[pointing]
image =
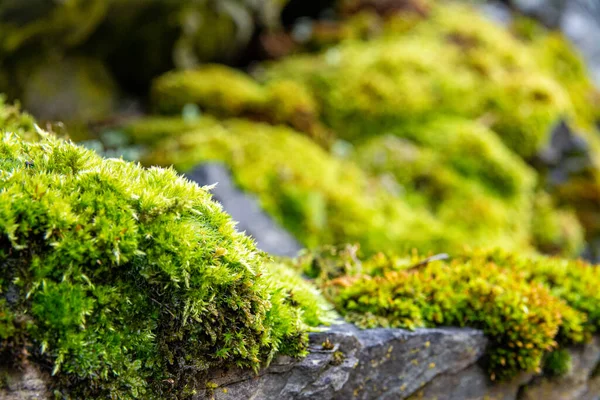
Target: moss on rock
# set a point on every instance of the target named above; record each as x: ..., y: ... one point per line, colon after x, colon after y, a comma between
x: 131, y: 283
x: 526, y: 305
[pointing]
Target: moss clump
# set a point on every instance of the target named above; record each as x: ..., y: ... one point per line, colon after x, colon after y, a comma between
x: 555, y: 231
x: 130, y: 283
x: 453, y: 165
x: 225, y: 92
x: 408, y: 192
x: 557, y: 363
x: 452, y: 62
x: 12, y: 120
x: 524, y: 304
x: 218, y: 89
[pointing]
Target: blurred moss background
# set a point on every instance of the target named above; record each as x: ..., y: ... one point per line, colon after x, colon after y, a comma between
x: 395, y: 124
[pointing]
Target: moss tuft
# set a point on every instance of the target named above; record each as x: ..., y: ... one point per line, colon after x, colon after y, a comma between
x: 131, y: 283
x: 526, y: 305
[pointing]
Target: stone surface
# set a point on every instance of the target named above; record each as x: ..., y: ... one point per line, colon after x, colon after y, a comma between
x: 572, y: 386
x: 377, y: 364
x: 470, y: 384
x: 566, y: 155
x: 245, y: 209
x: 27, y: 384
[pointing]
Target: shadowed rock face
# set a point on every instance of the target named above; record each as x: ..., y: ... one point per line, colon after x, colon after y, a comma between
x: 245, y: 209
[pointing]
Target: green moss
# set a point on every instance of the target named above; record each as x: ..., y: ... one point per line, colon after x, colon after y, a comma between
x: 524, y: 304
x: 555, y: 231
x: 319, y: 198
x: 131, y: 283
x: 12, y: 120
x: 450, y: 166
x: 225, y: 92
x: 217, y: 89
x: 56, y: 25
x: 557, y: 363
x: 452, y: 62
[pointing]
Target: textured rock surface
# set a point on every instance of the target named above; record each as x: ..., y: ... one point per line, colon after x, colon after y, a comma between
x: 573, y: 385
x: 28, y: 384
x: 376, y: 364
x: 470, y: 384
x: 567, y: 155
x: 245, y: 209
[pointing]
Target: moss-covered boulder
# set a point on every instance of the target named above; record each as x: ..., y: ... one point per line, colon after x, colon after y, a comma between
x: 130, y: 283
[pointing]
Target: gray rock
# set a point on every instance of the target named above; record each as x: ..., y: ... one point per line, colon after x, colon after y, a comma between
x: 440, y: 364
x: 472, y: 383
x: 566, y: 155
x: 497, y: 11
x: 371, y: 364
x: 575, y: 384
x: 245, y: 209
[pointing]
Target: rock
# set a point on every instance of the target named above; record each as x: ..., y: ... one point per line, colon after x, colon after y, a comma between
x: 498, y: 12
x: 363, y: 364
x: 26, y: 384
x: 245, y: 209
x: 574, y: 384
x: 470, y: 384
x: 566, y: 155
x: 345, y: 362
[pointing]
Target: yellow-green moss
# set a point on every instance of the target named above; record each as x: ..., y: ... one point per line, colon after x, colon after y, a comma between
x: 217, y: 89
x: 452, y: 62
x: 319, y: 198
x: 526, y: 305
x: 555, y: 231
x: 450, y: 166
x: 418, y: 201
x: 131, y: 283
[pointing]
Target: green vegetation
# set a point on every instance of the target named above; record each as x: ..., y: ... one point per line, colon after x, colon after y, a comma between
x: 442, y: 111
x: 399, y: 132
x: 130, y: 283
x: 526, y: 305
x: 319, y: 198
